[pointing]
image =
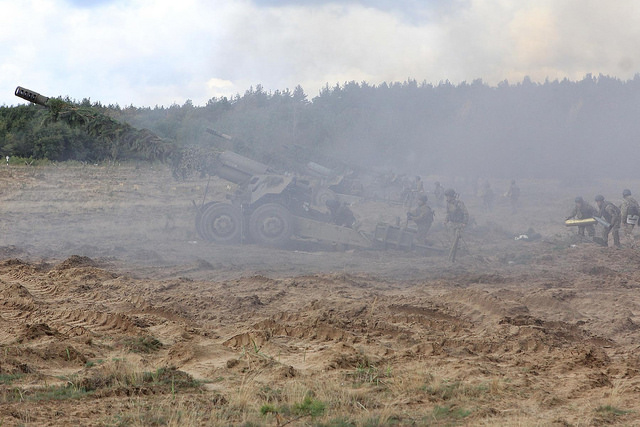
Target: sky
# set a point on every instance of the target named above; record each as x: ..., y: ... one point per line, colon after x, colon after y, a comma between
x: 164, y: 52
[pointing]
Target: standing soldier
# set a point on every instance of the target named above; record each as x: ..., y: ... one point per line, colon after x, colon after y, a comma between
x: 458, y: 217
x: 629, y: 212
x: 418, y: 185
x: 487, y: 196
x: 611, y: 214
x: 513, y: 194
x: 422, y: 215
x: 583, y: 210
x: 438, y: 192
x: 412, y: 193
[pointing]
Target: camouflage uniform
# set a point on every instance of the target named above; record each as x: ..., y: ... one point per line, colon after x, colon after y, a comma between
x: 457, y: 213
x: 414, y: 192
x: 624, y: 211
x: 487, y: 196
x: 584, y: 210
x: 422, y: 215
x: 513, y: 194
x: 458, y: 216
x: 611, y: 214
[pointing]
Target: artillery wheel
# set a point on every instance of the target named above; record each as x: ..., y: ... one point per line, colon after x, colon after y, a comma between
x: 199, y: 214
x: 271, y: 225
x: 322, y: 196
x: 221, y: 223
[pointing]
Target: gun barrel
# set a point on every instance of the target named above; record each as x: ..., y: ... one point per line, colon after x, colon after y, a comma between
x: 31, y: 96
x: 218, y: 134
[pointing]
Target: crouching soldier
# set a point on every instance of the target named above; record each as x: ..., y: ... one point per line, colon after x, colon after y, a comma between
x: 340, y: 214
x: 583, y: 210
x: 422, y: 215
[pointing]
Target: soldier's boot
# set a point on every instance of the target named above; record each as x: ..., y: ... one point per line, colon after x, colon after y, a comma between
x: 616, y: 239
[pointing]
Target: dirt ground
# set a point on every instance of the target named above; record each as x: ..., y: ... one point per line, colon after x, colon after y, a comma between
x: 114, y: 312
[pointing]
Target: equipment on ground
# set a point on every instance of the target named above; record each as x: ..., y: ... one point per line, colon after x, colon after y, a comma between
x: 453, y: 251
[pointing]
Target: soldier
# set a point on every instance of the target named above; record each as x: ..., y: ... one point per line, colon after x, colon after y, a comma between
x: 457, y: 214
x: 438, y: 192
x: 513, y: 194
x: 629, y: 212
x: 458, y: 217
x: 413, y: 192
x: 418, y: 186
x: 422, y: 215
x: 610, y: 213
x: 340, y: 213
x: 583, y: 210
x: 487, y: 196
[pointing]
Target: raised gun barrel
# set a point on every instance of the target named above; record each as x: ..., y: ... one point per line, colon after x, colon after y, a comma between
x: 31, y: 96
x: 219, y: 134
x: 239, y: 169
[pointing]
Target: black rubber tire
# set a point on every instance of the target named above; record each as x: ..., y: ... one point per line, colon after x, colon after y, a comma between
x: 221, y: 223
x: 271, y: 225
x: 199, y: 216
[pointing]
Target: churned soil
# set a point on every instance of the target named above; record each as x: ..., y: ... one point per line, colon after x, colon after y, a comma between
x: 114, y: 312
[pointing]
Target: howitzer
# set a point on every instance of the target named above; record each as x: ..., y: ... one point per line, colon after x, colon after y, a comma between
x: 121, y: 135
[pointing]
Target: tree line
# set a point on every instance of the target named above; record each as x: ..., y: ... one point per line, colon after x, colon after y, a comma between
x: 562, y: 129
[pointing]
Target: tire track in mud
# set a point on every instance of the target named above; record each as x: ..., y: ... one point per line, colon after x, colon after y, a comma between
x: 76, y: 298
x: 493, y: 327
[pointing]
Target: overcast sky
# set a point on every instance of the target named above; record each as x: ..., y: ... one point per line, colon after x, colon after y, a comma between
x: 163, y: 52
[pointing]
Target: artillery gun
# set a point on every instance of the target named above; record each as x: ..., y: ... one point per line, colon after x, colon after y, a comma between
x: 268, y: 208
x: 121, y: 136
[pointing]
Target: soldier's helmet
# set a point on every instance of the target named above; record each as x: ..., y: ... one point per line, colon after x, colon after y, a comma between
x: 450, y: 192
x: 423, y: 198
x: 579, y: 199
x: 599, y: 198
x: 626, y: 192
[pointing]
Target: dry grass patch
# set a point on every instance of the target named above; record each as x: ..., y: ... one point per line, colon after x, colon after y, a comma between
x: 115, y: 377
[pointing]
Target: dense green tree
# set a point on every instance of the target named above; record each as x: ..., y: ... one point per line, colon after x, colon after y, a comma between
x: 555, y: 128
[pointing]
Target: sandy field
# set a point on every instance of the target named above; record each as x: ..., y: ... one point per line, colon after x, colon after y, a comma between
x: 113, y: 313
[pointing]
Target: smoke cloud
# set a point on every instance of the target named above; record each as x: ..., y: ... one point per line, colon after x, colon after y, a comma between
x: 161, y: 53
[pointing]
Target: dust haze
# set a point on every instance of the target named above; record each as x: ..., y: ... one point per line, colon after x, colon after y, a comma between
x: 198, y: 50
x: 117, y: 309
